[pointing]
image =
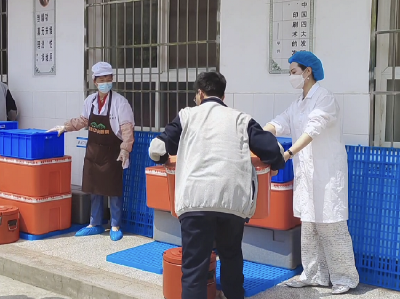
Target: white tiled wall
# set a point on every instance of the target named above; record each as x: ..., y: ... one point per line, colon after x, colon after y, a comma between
x: 342, y: 46
x: 46, y: 101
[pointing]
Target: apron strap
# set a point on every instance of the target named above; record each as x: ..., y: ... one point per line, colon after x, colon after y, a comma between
x: 109, y: 103
x: 94, y: 99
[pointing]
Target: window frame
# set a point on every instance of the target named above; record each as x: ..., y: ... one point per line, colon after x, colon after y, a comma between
x: 381, y: 72
x: 158, y: 75
x: 4, y: 31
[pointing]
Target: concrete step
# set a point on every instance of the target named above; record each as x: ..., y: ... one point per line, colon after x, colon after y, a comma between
x: 69, y: 278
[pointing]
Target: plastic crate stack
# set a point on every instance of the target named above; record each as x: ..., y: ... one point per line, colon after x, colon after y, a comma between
x: 137, y: 218
x: 281, y: 201
x: 374, y: 213
x: 35, y: 177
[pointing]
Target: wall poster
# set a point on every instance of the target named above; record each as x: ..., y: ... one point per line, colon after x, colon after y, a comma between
x: 45, y: 37
x: 291, y: 30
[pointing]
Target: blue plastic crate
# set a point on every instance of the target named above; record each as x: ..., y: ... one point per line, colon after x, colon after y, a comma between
x: 31, y: 144
x: 374, y: 213
x: 8, y: 125
x: 285, y: 175
x: 137, y: 218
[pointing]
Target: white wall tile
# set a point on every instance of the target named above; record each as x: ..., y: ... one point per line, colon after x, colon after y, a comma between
x: 356, y: 114
x: 74, y: 104
x: 356, y: 139
x: 282, y: 102
x: 61, y: 105
x: 229, y: 100
x: 340, y: 100
x: 244, y: 103
x: 44, y: 104
x: 23, y: 100
x: 263, y: 108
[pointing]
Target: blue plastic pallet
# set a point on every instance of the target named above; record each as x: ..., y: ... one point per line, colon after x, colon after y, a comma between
x: 374, y: 213
x: 258, y: 277
x: 74, y: 228
x: 8, y: 125
x: 149, y: 257
x: 31, y: 144
x: 285, y: 175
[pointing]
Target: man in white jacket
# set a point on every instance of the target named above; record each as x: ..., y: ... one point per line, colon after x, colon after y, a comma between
x: 215, y: 182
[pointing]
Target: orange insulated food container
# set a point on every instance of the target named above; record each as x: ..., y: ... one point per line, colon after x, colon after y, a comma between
x: 9, y: 224
x: 264, y: 191
x: 41, y: 215
x: 264, y: 183
x: 170, y: 170
x: 281, y: 209
x: 157, y: 188
x: 172, y: 274
x: 35, y: 178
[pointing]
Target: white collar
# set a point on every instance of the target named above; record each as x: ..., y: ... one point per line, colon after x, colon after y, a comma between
x: 311, y: 92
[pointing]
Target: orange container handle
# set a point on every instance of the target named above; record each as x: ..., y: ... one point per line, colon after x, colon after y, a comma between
x: 12, y: 225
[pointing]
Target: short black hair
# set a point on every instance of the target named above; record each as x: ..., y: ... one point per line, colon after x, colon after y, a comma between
x: 213, y: 84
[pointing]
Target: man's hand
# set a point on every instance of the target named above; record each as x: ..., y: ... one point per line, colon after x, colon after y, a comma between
x: 59, y: 129
x: 157, y: 149
x: 124, y: 157
x: 274, y: 172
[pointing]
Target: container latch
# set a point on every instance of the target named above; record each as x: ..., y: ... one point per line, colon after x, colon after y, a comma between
x: 12, y: 225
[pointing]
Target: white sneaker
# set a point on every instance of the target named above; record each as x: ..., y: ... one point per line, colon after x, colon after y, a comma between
x: 340, y: 289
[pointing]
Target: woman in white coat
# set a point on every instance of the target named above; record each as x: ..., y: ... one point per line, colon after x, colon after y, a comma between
x: 320, y: 186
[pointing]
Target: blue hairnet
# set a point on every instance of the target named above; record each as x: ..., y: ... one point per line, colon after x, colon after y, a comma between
x: 308, y: 59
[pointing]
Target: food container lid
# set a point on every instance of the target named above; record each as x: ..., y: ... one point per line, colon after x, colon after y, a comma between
x: 155, y: 170
x: 174, y: 256
x: 260, y: 166
x: 8, y: 210
x: 282, y: 186
x: 170, y: 165
x: 284, y: 141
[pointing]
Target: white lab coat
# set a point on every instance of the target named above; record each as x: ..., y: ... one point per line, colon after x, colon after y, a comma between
x: 321, y: 179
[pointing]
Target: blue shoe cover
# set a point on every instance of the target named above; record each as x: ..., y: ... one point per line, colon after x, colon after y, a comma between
x: 90, y: 231
x: 116, y: 235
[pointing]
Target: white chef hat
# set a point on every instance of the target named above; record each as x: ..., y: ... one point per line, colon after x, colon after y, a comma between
x: 101, y: 69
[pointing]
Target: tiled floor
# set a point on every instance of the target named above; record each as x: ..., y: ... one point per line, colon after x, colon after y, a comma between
x: 92, y: 251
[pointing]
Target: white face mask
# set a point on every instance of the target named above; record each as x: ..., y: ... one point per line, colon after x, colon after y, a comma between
x: 297, y: 81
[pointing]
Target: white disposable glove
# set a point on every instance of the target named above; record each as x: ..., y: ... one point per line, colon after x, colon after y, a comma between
x: 157, y: 149
x: 124, y: 157
x: 59, y: 129
x: 282, y: 149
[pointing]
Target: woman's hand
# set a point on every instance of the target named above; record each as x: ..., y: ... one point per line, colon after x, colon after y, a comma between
x: 274, y: 172
x: 286, y: 156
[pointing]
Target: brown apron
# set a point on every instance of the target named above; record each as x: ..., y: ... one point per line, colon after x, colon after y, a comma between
x: 102, y: 173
